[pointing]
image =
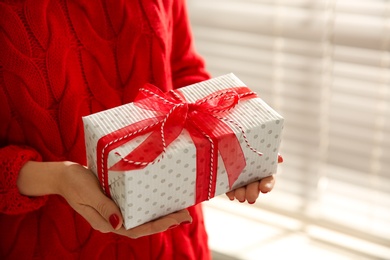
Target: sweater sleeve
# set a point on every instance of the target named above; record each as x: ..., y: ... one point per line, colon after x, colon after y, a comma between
x: 12, y: 159
x: 187, y: 66
x: 14, y: 52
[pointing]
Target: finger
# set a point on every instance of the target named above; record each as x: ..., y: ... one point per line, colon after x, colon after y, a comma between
x: 106, y: 207
x: 172, y: 220
x: 158, y: 225
x: 239, y: 193
x: 230, y: 194
x: 267, y: 184
x: 108, y: 210
x: 252, y: 192
x: 93, y: 217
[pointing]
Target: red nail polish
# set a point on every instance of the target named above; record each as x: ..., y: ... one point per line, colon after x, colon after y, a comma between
x: 185, y: 222
x: 252, y: 202
x: 280, y: 159
x: 114, y: 220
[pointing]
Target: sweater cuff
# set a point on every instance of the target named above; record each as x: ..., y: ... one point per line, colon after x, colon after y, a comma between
x: 12, y: 159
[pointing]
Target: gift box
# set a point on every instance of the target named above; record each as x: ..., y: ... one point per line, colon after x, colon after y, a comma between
x: 168, y: 151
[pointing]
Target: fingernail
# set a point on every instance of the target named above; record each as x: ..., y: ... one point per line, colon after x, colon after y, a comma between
x: 186, y: 222
x: 252, y: 202
x: 114, y: 220
x: 280, y: 159
x: 173, y: 226
x: 241, y: 201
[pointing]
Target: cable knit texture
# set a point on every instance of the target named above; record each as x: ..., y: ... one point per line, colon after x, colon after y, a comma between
x: 61, y: 60
x: 12, y: 159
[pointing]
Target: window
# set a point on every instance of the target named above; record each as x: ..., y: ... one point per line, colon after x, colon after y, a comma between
x: 325, y: 66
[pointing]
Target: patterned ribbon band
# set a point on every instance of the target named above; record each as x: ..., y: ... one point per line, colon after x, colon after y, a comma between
x: 201, y: 119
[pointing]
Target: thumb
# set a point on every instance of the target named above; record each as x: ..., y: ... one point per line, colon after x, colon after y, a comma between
x: 81, y: 189
x: 109, y: 211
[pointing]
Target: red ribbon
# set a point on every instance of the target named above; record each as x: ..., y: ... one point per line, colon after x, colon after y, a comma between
x: 209, y: 133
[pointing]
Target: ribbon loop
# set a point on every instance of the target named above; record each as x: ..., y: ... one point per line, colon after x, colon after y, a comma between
x: 217, y: 103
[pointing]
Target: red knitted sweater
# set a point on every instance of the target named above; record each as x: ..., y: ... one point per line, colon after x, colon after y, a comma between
x: 61, y: 60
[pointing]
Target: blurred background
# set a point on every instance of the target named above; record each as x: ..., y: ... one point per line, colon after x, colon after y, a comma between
x: 325, y: 66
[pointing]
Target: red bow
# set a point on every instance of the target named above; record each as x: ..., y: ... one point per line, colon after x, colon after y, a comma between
x: 208, y: 131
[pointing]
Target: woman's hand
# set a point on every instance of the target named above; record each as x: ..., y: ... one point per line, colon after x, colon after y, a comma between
x: 81, y: 189
x: 251, y: 191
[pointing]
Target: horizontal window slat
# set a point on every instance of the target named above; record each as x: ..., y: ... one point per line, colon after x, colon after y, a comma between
x: 296, y: 23
x: 210, y: 37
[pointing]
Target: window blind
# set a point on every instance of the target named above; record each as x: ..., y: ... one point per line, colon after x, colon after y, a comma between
x: 325, y: 66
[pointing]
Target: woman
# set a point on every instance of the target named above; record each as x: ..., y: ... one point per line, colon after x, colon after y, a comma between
x: 61, y: 60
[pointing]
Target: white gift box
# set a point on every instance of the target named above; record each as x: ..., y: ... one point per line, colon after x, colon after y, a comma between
x: 172, y: 181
